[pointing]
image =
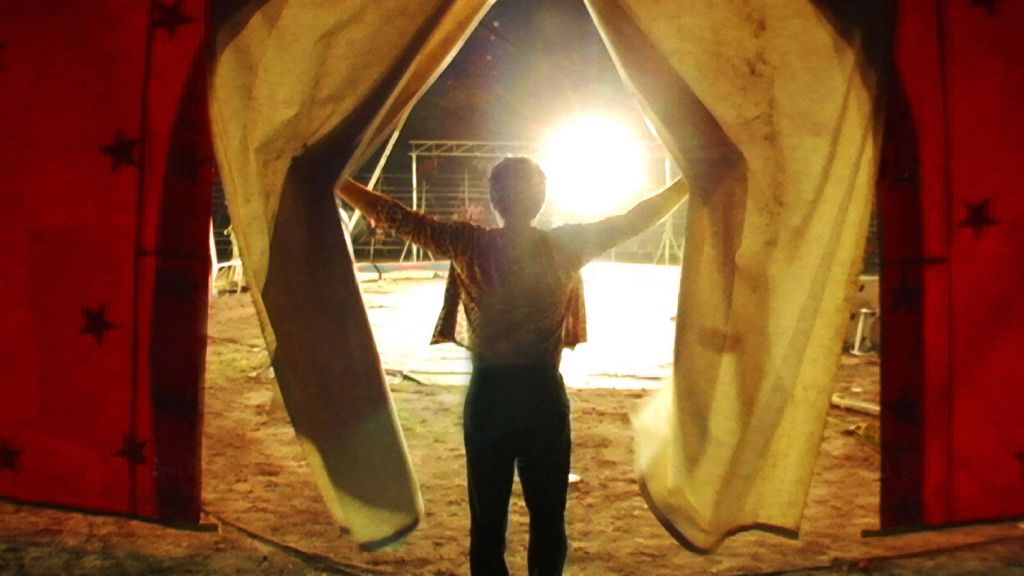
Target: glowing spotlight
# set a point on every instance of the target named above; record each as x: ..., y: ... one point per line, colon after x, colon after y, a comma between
x: 596, y: 166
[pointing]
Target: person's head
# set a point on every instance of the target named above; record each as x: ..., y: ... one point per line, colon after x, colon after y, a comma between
x: 517, y: 190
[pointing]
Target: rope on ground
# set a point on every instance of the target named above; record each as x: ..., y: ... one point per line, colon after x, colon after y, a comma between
x: 867, y: 563
x: 228, y: 340
x: 313, y: 560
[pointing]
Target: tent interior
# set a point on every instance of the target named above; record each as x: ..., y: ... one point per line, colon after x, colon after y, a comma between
x: 792, y: 122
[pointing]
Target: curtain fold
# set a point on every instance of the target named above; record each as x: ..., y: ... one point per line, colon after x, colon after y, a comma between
x: 770, y: 107
x: 303, y: 91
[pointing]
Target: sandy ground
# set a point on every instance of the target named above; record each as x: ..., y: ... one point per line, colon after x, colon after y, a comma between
x: 264, y: 515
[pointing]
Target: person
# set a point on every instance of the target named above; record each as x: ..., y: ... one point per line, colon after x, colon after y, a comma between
x: 521, y: 291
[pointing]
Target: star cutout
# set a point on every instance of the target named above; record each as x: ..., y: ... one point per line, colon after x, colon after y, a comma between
x: 169, y: 17
x: 899, y: 469
x: 96, y: 323
x: 132, y: 450
x: 906, y: 411
x: 121, y: 151
x: 906, y: 297
x: 908, y: 508
x: 185, y: 164
x: 8, y: 456
x: 176, y: 285
x: 907, y: 178
x: 988, y: 5
x: 978, y: 217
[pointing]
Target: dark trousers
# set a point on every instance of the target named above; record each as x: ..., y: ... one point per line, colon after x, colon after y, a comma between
x: 517, y: 417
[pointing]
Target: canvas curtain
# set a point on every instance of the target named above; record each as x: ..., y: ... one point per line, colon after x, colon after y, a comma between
x: 770, y: 109
x: 302, y: 91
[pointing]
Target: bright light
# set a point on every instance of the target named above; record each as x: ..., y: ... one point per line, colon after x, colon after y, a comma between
x: 596, y: 166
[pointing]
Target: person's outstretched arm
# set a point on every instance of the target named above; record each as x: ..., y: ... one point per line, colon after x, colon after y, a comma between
x: 588, y: 241
x: 439, y: 237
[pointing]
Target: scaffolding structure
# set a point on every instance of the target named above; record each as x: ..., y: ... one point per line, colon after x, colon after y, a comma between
x: 460, y: 149
x: 476, y: 149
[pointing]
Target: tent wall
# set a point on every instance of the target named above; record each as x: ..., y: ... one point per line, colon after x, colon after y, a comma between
x: 951, y: 216
x: 105, y: 175
x: 105, y: 178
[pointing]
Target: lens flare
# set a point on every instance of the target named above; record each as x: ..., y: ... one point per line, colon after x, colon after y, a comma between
x: 595, y: 165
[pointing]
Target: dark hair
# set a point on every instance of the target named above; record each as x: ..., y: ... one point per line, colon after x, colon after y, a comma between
x: 517, y: 188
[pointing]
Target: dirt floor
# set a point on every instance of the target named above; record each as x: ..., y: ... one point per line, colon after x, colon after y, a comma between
x: 264, y: 515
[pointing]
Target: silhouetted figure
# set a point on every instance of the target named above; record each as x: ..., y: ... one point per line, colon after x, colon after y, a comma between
x: 521, y: 291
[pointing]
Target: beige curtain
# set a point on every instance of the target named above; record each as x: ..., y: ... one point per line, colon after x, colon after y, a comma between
x: 302, y: 91
x: 771, y: 109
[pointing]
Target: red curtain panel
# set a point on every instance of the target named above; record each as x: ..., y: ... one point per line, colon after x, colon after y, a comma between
x: 105, y: 179
x: 951, y: 200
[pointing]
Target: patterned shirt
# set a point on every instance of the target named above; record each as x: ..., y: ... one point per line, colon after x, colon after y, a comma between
x: 520, y: 290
